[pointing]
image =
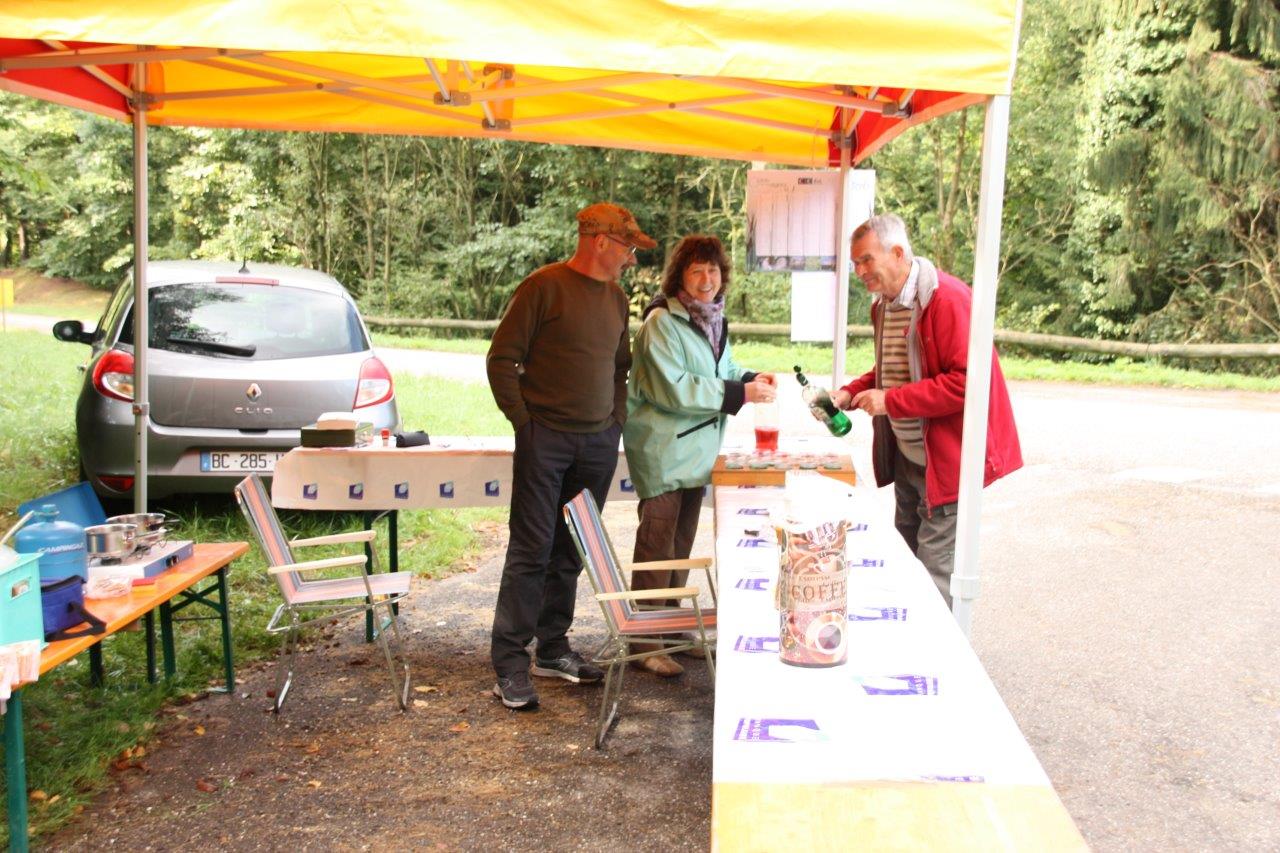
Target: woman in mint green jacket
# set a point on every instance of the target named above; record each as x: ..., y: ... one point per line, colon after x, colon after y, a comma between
x: 684, y: 383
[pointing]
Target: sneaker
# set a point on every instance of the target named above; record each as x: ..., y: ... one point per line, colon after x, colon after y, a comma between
x: 571, y: 667
x: 516, y: 691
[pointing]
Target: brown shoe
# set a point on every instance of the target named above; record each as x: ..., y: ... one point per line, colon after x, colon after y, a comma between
x: 660, y: 665
x: 695, y: 652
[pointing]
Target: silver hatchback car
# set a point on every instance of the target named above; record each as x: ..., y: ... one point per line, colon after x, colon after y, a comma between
x: 241, y: 357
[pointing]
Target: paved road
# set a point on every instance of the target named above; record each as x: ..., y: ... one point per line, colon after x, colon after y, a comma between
x: 1129, y: 608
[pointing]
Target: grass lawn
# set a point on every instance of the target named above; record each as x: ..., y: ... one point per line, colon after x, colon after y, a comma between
x: 73, y: 732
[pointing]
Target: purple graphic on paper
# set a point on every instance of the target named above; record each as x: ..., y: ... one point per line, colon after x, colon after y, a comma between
x: 446, y: 490
x: 310, y: 491
x: 753, y: 510
x: 756, y: 645
x: 626, y: 485
x: 789, y: 730
x: 856, y: 528
x: 868, y: 563
x: 899, y: 685
x: 954, y: 778
x: 402, y: 491
x: 491, y: 489
x: 355, y: 491
x: 877, y: 614
x: 754, y: 543
x: 752, y: 584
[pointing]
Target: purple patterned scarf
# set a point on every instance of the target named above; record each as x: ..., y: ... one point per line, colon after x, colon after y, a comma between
x: 707, y: 317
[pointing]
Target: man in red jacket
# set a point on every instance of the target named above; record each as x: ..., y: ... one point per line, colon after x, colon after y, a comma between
x: 915, y: 391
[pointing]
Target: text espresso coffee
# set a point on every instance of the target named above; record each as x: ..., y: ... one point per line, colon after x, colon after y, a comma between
x: 812, y: 594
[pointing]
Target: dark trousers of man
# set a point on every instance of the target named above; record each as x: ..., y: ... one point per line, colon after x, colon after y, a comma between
x: 540, y: 577
x: 931, y: 536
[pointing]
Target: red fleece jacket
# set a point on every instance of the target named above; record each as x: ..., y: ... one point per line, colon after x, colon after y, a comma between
x: 941, y: 343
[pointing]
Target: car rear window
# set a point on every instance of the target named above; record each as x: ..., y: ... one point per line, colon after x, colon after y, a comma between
x: 250, y: 321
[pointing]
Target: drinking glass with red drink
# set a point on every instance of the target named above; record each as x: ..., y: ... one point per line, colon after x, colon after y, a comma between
x: 766, y: 421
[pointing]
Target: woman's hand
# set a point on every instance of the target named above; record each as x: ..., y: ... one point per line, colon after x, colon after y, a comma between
x: 767, y: 378
x: 759, y: 391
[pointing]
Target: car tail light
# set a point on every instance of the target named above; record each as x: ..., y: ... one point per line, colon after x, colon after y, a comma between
x: 119, y: 484
x: 113, y: 375
x: 375, y: 384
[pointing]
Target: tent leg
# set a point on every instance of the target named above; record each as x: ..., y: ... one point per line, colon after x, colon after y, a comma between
x: 141, y: 322
x: 840, y: 339
x: 986, y: 265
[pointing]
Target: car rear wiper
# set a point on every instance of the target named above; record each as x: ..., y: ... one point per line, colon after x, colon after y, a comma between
x: 215, y: 346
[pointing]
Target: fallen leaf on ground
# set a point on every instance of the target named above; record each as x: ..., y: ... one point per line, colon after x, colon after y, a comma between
x: 460, y: 727
x: 426, y: 688
x: 312, y: 747
x: 314, y: 783
x: 54, y: 798
x: 421, y: 703
x: 198, y: 730
x: 38, y: 796
x: 206, y: 786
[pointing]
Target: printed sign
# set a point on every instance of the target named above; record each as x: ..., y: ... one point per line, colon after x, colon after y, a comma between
x: 402, y: 491
x: 770, y: 730
x: 356, y: 491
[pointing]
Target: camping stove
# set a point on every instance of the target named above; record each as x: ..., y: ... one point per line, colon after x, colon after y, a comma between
x: 144, y: 563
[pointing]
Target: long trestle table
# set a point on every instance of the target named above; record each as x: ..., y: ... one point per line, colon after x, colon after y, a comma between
x: 906, y: 746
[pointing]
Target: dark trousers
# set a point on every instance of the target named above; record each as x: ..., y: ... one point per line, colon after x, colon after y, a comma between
x: 930, y: 533
x: 540, y: 577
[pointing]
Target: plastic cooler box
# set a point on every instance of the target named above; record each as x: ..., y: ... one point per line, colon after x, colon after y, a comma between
x: 20, y: 615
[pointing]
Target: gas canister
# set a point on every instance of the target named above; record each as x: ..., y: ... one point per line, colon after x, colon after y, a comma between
x: 60, y: 544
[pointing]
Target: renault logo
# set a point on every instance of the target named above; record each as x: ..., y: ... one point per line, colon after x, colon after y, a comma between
x: 253, y: 392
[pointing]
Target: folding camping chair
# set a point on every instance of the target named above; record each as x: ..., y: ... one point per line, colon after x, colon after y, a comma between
x: 354, y: 593
x: 669, y: 629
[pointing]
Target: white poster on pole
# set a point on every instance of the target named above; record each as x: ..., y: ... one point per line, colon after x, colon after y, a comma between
x: 813, y: 304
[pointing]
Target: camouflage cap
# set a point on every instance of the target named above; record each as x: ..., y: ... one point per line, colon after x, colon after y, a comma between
x: 613, y: 221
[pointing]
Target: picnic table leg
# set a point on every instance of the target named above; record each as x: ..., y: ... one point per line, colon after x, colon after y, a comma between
x: 393, y: 557
x: 224, y: 612
x: 150, y: 622
x: 96, y: 677
x: 15, y: 774
x: 166, y: 640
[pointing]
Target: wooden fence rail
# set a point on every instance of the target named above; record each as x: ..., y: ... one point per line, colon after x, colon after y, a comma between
x: 1032, y: 340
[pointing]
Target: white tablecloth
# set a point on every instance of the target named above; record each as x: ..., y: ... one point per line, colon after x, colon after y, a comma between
x: 450, y: 472
x: 912, y: 703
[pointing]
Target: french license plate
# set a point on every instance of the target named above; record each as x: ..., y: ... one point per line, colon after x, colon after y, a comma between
x: 239, y: 461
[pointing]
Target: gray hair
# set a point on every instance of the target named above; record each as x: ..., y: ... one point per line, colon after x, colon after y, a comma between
x: 889, y: 229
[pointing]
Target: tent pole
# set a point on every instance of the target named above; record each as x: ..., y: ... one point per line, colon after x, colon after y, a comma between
x: 141, y: 324
x: 843, y: 227
x: 986, y: 264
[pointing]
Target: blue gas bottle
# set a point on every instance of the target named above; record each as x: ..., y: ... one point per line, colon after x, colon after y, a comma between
x: 60, y: 544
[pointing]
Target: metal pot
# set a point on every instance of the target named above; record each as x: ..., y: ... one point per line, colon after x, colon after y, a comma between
x: 150, y: 527
x: 110, y: 541
x: 144, y: 521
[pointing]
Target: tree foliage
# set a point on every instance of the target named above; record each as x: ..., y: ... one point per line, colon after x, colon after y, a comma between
x: 1142, y: 198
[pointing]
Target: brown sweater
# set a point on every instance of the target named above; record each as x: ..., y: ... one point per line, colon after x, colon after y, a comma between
x: 561, y: 353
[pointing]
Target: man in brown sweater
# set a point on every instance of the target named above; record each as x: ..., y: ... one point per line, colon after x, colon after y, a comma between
x: 558, y: 367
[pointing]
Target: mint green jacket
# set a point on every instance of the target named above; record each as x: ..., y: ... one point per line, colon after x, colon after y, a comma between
x: 678, y: 397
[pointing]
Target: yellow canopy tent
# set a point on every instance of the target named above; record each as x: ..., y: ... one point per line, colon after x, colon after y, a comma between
x: 808, y: 82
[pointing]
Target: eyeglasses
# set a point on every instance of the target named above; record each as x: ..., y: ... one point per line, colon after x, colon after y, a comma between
x: 631, y: 250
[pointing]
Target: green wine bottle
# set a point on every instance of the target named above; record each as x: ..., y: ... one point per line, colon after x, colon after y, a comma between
x: 821, y: 405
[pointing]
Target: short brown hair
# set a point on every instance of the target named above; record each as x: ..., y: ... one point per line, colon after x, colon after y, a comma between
x: 695, y: 249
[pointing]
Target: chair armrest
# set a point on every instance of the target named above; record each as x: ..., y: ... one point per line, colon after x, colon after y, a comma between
x: 335, y: 538
x: 668, y: 565
x: 317, y: 565
x: 648, y: 594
